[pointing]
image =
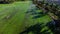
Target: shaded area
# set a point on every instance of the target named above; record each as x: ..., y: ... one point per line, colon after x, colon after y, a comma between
x: 40, y: 14
x: 53, y: 25
x: 35, y: 29
x: 4, y: 2
x: 33, y: 11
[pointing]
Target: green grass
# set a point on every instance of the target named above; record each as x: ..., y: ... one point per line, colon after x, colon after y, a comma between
x: 15, y: 24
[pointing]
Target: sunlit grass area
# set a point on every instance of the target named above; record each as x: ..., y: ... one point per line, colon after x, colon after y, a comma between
x: 12, y: 17
x: 13, y: 24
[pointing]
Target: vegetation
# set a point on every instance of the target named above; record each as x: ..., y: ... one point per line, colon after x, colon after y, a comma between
x: 9, y: 1
x: 13, y: 18
x: 52, y: 10
x: 13, y: 24
x: 23, y: 17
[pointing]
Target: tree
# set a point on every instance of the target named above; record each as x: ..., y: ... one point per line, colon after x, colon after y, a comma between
x: 48, y: 9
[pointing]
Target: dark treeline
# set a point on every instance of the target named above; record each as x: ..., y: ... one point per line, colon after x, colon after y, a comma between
x: 9, y: 1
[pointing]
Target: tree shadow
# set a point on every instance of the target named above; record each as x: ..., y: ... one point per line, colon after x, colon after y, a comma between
x: 40, y: 14
x: 3, y: 2
x: 35, y: 29
x: 53, y: 26
x: 45, y: 32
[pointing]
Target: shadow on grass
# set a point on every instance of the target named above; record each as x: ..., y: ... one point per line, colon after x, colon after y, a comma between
x: 40, y: 14
x: 54, y: 27
x: 39, y: 26
x: 35, y: 29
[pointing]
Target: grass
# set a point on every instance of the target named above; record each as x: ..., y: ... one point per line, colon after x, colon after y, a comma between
x: 15, y: 24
